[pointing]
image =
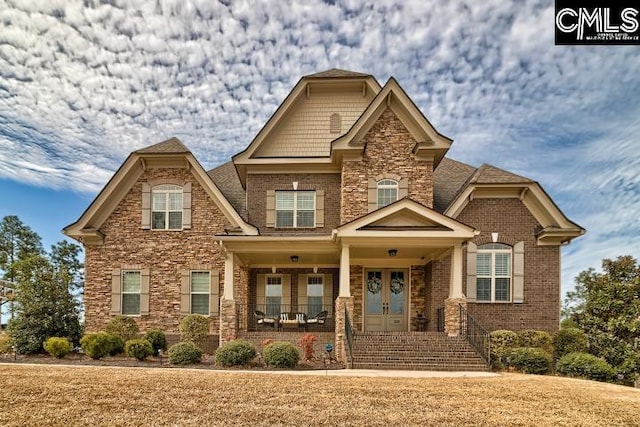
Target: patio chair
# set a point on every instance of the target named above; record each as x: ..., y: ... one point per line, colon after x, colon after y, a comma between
x: 318, y: 319
x: 265, y: 320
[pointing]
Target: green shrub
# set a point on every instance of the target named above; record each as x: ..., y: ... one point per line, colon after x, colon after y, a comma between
x: 569, y: 340
x: 194, y: 328
x: 530, y: 360
x: 98, y: 345
x: 138, y: 348
x: 585, y: 365
x: 281, y: 354
x: 233, y: 353
x: 184, y: 353
x: 124, y: 327
x: 58, y: 347
x: 501, y: 341
x: 535, y: 339
x: 158, y: 340
x: 116, y: 345
x: 568, y: 323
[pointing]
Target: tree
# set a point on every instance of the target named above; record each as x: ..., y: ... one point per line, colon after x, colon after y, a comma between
x: 607, y: 307
x: 17, y: 242
x: 46, y: 306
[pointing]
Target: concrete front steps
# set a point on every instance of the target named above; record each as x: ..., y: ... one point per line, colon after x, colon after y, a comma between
x: 428, y: 351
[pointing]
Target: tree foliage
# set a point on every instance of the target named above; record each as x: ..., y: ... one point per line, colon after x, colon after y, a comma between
x: 45, y: 284
x: 606, y: 306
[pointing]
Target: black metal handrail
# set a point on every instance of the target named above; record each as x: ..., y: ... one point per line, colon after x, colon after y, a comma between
x: 440, y: 319
x: 475, y: 334
x: 349, y: 333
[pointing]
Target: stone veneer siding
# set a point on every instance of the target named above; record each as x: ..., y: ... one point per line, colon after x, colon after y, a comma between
x: 164, y: 253
x: 388, y: 150
x: 257, y: 186
x: 514, y: 223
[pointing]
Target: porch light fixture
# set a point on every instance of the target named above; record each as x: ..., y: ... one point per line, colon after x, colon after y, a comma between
x: 294, y: 258
x: 393, y: 252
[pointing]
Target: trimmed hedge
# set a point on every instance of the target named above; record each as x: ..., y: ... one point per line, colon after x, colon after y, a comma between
x: 194, y: 328
x: 234, y: 353
x: 585, y: 365
x: 157, y: 339
x: 281, y: 354
x: 501, y: 342
x: 184, y: 353
x: 58, y: 347
x: 536, y: 339
x: 569, y: 340
x: 101, y: 344
x: 530, y: 360
x: 124, y: 327
x: 138, y: 348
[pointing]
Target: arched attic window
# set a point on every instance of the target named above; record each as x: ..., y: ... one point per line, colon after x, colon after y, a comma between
x: 166, y: 207
x: 387, y: 192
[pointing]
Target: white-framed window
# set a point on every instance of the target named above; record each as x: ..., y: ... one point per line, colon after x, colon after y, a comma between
x: 131, y: 287
x: 166, y: 207
x: 200, y: 292
x: 295, y: 209
x: 493, y: 272
x: 387, y: 192
x: 315, y: 294
x: 273, y: 295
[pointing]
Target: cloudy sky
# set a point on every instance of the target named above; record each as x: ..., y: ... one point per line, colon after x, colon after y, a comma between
x: 83, y: 83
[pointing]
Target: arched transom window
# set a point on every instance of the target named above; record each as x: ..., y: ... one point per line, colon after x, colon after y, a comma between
x: 387, y: 192
x: 166, y: 210
x: 493, y: 272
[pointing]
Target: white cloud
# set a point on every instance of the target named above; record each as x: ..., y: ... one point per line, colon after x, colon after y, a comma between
x: 81, y: 86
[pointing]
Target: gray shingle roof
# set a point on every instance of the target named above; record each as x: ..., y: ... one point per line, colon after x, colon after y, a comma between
x: 488, y: 174
x: 336, y: 72
x: 449, y: 180
x: 171, y: 145
x: 226, y: 179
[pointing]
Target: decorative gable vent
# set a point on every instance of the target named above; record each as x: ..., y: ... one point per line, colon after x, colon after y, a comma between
x: 335, y: 123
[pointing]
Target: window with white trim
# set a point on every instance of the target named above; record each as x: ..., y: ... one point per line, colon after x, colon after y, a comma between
x: 295, y: 209
x: 493, y: 273
x: 387, y: 192
x: 166, y: 207
x: 315, y: 293
x: 131, y: 287
x: 200, y: 292
x: 273, y: 295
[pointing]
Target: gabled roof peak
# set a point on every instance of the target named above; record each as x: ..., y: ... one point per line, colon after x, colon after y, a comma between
x: 489, y: 174
x: 337, y: 73
x: 172, y: 145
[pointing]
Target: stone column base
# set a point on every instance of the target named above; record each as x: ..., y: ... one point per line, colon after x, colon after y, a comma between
x: 228, y: 330
x: 341, y: 339
x: 452, y: 315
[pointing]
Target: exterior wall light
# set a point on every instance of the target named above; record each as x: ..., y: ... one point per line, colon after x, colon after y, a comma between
x: 294, y: 258
x: 393, y: 252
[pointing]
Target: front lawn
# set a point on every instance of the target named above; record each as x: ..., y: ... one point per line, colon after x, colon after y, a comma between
x: 119, y: 396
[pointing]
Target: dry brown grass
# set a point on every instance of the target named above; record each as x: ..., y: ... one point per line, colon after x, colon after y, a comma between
x: 52, y: 395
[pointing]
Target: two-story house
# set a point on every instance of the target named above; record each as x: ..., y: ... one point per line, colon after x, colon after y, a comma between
x: 342, y: 215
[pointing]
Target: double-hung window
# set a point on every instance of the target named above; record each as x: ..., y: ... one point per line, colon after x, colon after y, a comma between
x: 387, y: 192
x: 493, y: 273
x: 273, y: 295
x: 166, y: 207
x: 131, y: 286
x: 295, y: 209
x: 315, y: 294
x: 200, y: 291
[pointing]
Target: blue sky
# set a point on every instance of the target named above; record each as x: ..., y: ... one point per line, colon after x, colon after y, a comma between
x: 82, y: 84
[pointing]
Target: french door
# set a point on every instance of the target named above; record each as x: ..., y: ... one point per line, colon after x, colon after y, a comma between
x: 386, y: 292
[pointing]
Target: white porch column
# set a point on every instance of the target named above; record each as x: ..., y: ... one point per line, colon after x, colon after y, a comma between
x: 455, y: 287
x: 228, y: 276
x: 345, y: 276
